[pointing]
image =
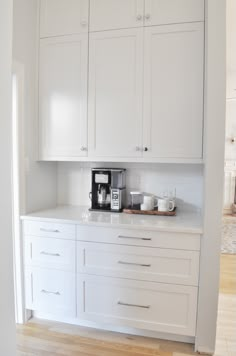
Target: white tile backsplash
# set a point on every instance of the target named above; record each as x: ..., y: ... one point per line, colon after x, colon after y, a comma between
x: 74, y: 181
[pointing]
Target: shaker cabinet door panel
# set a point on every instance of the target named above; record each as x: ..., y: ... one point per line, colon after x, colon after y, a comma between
x: 63, y: 17
x: 162, y: 12
x: 115, y: 93
x: 115, y: 14
x: 173, y: 91
x: 63, y: 96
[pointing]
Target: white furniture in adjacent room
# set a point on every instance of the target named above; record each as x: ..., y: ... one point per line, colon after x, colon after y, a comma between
x: 230, y: 135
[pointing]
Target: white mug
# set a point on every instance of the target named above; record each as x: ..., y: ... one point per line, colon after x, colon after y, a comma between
x: 166, y: 204
x: 149, y: 202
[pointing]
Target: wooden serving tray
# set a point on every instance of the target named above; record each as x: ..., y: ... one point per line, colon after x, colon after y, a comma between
x: 150, y: 212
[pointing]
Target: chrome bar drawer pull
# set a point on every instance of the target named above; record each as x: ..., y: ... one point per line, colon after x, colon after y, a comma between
x: 48, y: 292
x: 133, y: 264
x: 48, y: 230
x: 50, y: 254
x: 135, y: 238
x: 134, y: 305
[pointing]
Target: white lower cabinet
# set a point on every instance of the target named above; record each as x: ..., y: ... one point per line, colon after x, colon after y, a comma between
x: 124, y: 277
x: 150, y: 306
x: 50, y: 291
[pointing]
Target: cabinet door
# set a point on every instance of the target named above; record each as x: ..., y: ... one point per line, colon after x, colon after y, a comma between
x: 63, y: 17
x: 231, y: 49
x: 143, y: 305
x: 160, y: 12
x: 115, y: 14
x: 50, y: 291
x: 63, y: 96
x: 115, y: 93
x: 173, y: 94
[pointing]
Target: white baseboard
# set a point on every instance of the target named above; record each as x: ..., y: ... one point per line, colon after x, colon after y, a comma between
x: 108, y: 327
x: 204, y: 351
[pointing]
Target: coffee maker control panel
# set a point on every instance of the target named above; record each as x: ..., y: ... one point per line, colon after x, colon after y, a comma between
x: 115, y: 199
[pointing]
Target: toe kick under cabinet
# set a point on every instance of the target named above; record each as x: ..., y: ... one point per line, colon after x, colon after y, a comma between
x: 125, y: 277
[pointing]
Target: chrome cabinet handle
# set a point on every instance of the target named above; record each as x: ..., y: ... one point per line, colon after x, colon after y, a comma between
x: 233, y: 140
x: 148, y: 16
x: 139, y: 17
x: 83, y: 148
x: 48, y: 292
x: 50, y: 254
x: 145, y: 149
x: 134, y: 305
x: 48, y: 230
x: 133, y: 264
x: 135, y: 238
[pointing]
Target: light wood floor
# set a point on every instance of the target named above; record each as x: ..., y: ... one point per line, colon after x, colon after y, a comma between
x: 40, y: 338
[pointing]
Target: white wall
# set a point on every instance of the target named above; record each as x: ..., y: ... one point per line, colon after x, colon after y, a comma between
x: 40, y: 178
x: 74, y: 181
x: 7, y: 327
x: 213, y: 175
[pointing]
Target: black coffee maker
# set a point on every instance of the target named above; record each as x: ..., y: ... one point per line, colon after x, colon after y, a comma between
x: 108, y: 189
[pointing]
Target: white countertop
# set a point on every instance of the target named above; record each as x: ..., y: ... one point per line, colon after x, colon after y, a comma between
x: 188, y: 222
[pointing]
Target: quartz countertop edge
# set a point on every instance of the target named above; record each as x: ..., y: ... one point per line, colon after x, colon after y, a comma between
x: 185, y: 222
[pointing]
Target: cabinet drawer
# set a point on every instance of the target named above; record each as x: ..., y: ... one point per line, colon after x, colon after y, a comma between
x: 133, y: 237
x: 49, y: 253
x: 48, y: 229
x: 140, y: 263
x: 50, y: 291
x: 143, y: 305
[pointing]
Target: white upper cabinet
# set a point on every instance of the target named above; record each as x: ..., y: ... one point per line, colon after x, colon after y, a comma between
x: 115, y: 14
x: 63, y: 96
x: 160, y: 12
x: 173, y: 91
x: 116, y: 93
x: 63, y: 17
x: 231, y: 49
x: 141, y: 98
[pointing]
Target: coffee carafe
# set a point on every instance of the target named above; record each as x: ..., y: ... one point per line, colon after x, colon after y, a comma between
x: 103, y: 197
